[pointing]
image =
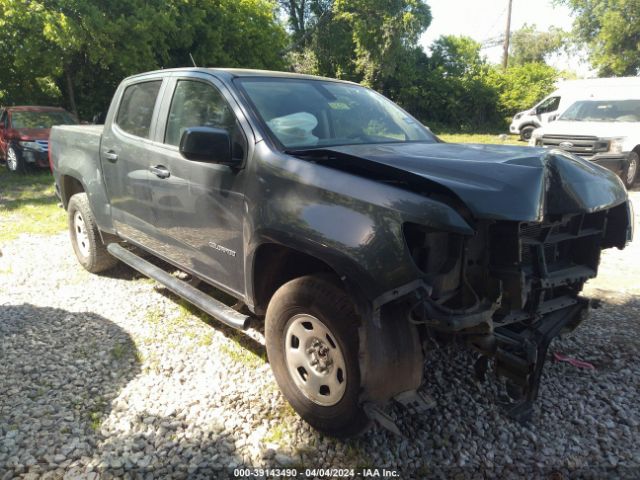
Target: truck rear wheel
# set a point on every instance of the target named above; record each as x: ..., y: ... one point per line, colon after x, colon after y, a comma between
x: 312, y: 344
x: 85, y: 236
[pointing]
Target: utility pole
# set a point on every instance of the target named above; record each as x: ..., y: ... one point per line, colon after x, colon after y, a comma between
x: 507, y: 35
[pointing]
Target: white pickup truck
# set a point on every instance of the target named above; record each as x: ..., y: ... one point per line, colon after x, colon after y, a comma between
x: 606, y: 132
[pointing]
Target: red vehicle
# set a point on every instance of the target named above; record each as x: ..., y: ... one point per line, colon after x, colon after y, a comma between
x: 24, y: 135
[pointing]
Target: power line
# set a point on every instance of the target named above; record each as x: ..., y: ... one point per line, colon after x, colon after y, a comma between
x: 493, y: 26
x: 492, y: 42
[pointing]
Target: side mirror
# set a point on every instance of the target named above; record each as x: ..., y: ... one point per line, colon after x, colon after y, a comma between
x: 205, y: 144
x: 553, y: 118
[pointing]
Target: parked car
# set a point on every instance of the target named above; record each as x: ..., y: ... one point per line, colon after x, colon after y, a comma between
x: 24, y: 135
x: 568, y: 92
x: 606, y: 132
x: 346, y: 227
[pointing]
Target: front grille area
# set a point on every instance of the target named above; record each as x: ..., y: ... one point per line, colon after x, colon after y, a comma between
x: 43, y: 144
x: 550, y: 247
x: 579, y: 145
x: 543, y: 266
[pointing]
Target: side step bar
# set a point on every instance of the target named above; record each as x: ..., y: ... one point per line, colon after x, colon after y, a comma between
x: 210, y: 305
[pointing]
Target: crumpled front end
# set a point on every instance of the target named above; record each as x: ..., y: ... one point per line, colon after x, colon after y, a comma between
x: 538, y: 221
x: 512, y: 272
x: 514, y: 286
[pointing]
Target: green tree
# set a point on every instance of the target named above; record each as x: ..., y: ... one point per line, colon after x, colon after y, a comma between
x: 226, y: 33
x: 304, y: 17
x: 457, y: 55
x: 362, y: 40
x: 85, y: 47
x: 382, y: 31
x: 521, y: 86
x: 459, y: 76
x: 610, y: 29
x: 529, y: 45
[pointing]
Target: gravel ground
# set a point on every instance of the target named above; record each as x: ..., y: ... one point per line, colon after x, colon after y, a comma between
x: 111, y: 376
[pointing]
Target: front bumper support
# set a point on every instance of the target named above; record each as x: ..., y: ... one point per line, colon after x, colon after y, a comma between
x: 521, y: 354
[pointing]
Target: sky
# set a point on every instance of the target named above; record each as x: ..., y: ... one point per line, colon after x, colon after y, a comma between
x: 485, y: 19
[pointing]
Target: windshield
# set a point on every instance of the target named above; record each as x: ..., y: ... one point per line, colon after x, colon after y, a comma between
x: 315, y: 113
x: 603, y: 111
x: 41, y: 119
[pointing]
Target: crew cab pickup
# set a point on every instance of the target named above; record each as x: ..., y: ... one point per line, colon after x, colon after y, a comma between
x: 343, y: 227
x: 24, y: 135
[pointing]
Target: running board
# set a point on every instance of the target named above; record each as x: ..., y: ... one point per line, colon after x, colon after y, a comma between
x: 208, y: 304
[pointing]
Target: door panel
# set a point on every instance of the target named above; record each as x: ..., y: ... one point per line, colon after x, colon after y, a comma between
x: 547, y: 108
x: 126, y: 158
x: 199, y: 208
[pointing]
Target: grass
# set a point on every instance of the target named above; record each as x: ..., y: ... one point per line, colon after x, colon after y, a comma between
x: 97, y: 413
x: 278, y: 434
x: 234, y: 349
x: 154, y: 316
x: 283, y: 431
x: 205, y: 339
x: 95, y: 421
x: 120, y: 351
x: 28, y: 205
x: 481, y: 138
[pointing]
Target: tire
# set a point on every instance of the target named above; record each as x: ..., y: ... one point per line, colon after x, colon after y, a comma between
x: 631, y: 173
x: 85, y: 236
x: 325, y: 395
x: 15, y: 162
x: 525, y: 133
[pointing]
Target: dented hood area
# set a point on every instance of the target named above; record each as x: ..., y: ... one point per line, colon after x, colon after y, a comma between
x: 494, y: 181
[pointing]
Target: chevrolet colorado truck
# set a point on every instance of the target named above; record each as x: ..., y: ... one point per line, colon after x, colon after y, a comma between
x: 343, y: 227
x: 24, y: 135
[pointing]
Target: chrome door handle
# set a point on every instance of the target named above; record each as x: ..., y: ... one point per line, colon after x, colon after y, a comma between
x: 160, y: 171
x: 111, y: 156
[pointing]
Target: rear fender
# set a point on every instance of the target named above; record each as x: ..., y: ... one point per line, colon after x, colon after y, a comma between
x: 81, y: 164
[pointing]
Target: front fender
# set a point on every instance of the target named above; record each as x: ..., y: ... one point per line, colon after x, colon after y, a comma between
x: 353, y: 224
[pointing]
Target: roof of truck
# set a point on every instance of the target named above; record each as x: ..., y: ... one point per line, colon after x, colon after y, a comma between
x: 243, y: 72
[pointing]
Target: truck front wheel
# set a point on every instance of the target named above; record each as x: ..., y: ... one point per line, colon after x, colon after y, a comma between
x: 312, y: 343
x: 526, y: 132
x: 85, y: 236
x: 631, y: 172
x: 15, y: 162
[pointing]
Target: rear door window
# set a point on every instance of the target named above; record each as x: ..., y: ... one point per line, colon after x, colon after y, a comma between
x: 136, y: 108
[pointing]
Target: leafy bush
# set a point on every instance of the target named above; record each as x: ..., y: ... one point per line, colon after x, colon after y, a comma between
x: 521, y: 86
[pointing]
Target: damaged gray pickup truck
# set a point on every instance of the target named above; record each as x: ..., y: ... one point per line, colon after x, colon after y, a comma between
x: 344, y: 226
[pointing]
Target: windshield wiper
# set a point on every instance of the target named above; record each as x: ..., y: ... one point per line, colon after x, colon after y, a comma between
x: 306, y: 152
x: 320, y: 155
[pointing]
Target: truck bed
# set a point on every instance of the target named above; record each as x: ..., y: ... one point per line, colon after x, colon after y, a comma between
x: 83, y: 136
x: 75, y: 153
